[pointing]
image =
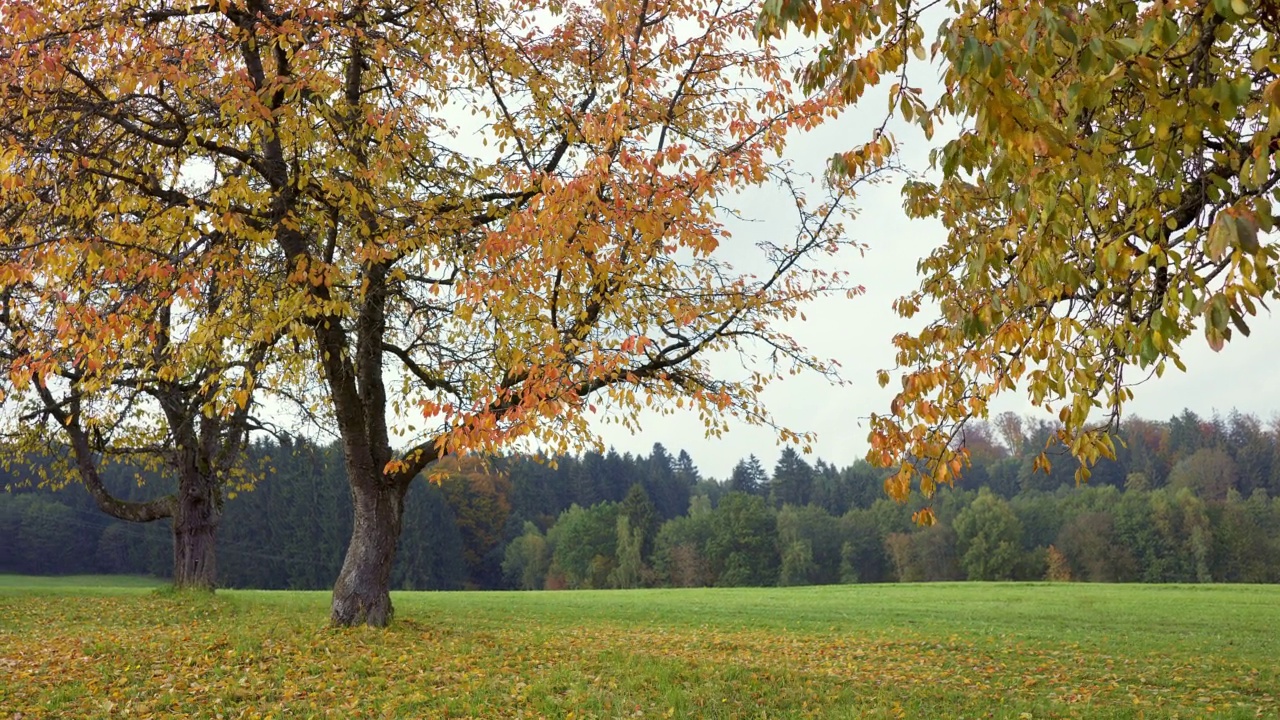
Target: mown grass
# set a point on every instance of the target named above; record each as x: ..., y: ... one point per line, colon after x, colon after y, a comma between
x: 42, y: 583
x: 918, y: 651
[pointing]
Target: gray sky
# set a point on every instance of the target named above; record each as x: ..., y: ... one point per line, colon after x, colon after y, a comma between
x: 858, y: 334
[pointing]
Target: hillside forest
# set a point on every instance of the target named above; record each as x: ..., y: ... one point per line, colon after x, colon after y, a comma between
x: 1191, y: 499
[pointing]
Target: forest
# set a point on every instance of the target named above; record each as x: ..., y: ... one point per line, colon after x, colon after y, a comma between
x: 1190, y: 499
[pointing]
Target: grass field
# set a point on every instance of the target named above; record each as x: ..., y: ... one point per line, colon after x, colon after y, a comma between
x: 77, y: 583
x: 916, y: 651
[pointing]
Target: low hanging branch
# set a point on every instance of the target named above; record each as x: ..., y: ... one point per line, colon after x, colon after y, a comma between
x: 1108, y: 194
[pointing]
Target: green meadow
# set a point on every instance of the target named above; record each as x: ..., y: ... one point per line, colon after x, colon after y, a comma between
x: 104, y: 648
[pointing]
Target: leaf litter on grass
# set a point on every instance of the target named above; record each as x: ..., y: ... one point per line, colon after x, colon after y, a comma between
x: 156, y: 656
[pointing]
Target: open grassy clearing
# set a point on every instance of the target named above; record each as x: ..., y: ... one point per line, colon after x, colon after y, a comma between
x: 962, y: 650
x: 11, y: 583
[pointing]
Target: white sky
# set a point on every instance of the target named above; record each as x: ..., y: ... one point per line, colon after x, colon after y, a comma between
x: 858, y: 334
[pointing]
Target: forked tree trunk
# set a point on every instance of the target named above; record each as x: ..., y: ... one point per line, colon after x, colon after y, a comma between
x: 362, y: 594
x: 195, y: 530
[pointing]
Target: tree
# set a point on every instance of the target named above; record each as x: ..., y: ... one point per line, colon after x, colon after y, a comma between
x: 533, y: 491
x: 988, y: 538
x: 479, y: 497
x: 630, y: 571
x: 809, y: 544
x: 1095, y: 554
x: 863, y: 557
x: 527, y: 559
x: 792, y: 482
x: 433, y: 552
x: 686, y: 471
x: 1209, y: 472
x: 123, y: 348
x: 924, y: 555
x: 1009, y: 425
x: 1253, y: 450
x: 1142, y: 450
x: 742, y: 548
x: 748, y: 477
x: 584, y: 545
x: 620, y: 474
x: 1103, y: 199
x: 680, y: 551
x: 492, y: 240
x: 47, y: 531
x: 642, y: 517
x: 668, y: 490
x: 583, y: 486
x: 1058, y: 569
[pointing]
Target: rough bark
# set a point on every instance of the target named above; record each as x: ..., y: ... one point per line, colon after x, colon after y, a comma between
x: 194, y: 510
x: 195, y: 528
x: 362, y: 594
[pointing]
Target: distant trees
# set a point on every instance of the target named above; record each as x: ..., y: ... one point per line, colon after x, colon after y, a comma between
x: 748, y: 477
x: 680, y: 549
x: 988, y: 538
x: 792, y: 482
x: 1209, y: 472
x: 809, y: 542
x: 517, y: 522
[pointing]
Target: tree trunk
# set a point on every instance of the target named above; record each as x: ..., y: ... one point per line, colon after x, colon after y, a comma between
x: 362, y: 594
x: 195, y: 529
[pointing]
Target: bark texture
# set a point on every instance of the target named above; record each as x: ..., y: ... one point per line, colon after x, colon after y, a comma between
x: 362, y: 594
x: 195, y: 530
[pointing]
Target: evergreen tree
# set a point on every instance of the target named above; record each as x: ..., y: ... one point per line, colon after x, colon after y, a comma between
x: 583, y: 487
x: 669, y: 492
x: 533, y: 497
x: 829, y: 491
x: 621, y: 472
x: 792, y: 479
x: 642, y: 517
x: 748, y: 477
x: 686, y: 471
x: 431, y: 549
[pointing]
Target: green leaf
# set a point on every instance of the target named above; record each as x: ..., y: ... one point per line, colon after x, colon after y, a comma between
x: 1148, y: 352
x: 1221, y: 237
x: 1238, y: 320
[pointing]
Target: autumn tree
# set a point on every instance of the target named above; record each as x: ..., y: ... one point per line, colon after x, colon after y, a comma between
x: 497, y: 219
x: 1210, y: 472
x: 1106, y: 194
x: 124, y: 331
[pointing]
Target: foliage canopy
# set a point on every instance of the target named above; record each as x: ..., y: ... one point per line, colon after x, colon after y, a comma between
x: 476, y: 215
x: 1108, y: 192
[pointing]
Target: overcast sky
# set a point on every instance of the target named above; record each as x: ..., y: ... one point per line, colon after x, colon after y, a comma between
x: 858, y: 334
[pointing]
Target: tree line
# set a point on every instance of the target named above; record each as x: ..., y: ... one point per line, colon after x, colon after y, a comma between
x: 1187, y: 500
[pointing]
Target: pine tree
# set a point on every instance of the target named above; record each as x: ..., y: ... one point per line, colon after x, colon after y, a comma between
x: 748, y: 477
